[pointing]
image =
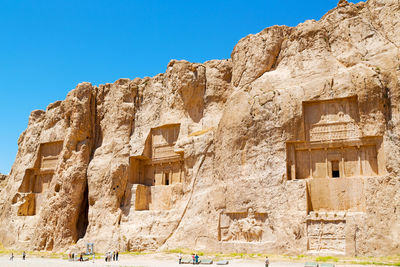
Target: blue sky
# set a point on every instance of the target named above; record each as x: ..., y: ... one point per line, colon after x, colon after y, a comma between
x: 48, y: 47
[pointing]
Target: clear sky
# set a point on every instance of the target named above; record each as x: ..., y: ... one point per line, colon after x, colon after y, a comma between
x: 48, y: 47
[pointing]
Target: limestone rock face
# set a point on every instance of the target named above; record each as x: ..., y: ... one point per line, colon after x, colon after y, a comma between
x: 290, y: 146
x: 3, y: 180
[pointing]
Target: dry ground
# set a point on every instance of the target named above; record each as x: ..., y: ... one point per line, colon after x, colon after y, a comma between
x: 150, y: 260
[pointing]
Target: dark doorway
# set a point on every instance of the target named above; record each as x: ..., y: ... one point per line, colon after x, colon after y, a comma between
x: 335, y: 169
x: 83, y: 220
x: 167, y: 179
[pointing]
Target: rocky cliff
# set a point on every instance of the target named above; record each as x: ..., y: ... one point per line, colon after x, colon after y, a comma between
x: 3, y: 180
x: 290, y: 146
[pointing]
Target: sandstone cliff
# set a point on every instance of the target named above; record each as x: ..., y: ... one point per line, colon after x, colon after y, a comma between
x: 290, y: 146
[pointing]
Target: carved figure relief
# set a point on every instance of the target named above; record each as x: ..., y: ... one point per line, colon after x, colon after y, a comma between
x: 337, y: 120
x: 243, y: 226
x: 326, y: 234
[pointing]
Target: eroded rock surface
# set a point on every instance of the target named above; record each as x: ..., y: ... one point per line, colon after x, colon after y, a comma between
x: 3, y: 180
x: 290, y: 146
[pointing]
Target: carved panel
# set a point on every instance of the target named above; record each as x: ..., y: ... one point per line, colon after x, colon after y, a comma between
x: 302, y: 164
x: 163, y: 141
x: 48, y: 163
x: 334, y: 131
x: 326, y: 235
x: 49, y: 153
x: 351, y: 162
x: 164, y: 152
x: 344, y: 194
x: 369, y: 160
x: 332, y: 119
x: 243, y: 226
x: 165, y: 135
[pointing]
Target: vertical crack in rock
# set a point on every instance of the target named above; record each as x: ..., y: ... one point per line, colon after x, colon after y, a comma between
x: 83, y: 220
x: 97, y: 134
x: 276, y: 61
x: 191, y: 194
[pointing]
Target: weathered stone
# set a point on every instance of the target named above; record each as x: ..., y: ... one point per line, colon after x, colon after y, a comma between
x: 291, y: 146
x: 3, y: 181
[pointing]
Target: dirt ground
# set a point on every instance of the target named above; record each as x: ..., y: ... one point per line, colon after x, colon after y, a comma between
x: 140, y: 261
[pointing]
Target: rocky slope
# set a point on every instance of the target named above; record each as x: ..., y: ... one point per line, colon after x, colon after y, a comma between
x: 212, y: 142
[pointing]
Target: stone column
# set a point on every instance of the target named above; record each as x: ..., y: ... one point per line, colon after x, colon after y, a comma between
x: 181, y: 172
x: 343, y: 168
x: 310, y: 162
x: 326, y: 163
x: 359, y: 161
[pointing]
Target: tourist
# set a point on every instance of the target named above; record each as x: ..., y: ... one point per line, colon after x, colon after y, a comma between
x: 180, y: 258
x: 116, y: 255
x: 12, y: 257
x: 193, y: 258
x: 197, y: 258
x: 266, y: 261
x: 81, y: 257
x: 113, y: 255
x: 23, y: 255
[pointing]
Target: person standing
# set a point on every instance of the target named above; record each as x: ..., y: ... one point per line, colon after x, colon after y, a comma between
x: 116, y: 255
x: 197, y: 258
x: 180, y: 258
x: 23, y: 255
x: 113, y: 255
x: 266, y: 261
x: 12, y: 257
x: 193, y: 258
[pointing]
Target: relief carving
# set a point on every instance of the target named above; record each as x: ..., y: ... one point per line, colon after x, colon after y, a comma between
x: 337, y: 119
x: 327, y: 234
x: 243, y: 226
x: 334, y: 131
